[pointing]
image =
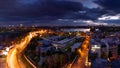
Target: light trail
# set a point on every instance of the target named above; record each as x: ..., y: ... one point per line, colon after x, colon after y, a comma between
x: 83, y: 50
x: 12, y: 59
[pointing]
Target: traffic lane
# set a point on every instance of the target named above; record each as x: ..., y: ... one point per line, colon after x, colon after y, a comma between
x: 80, y: 61
x: 12, y: 60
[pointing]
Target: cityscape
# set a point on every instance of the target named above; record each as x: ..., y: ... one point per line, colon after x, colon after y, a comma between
x: 65, y: 47
x: 60, y: 34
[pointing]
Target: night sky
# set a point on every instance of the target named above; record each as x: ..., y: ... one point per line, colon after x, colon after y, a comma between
x: 60, y: 12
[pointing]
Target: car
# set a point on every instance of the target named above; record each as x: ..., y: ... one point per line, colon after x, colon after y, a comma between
x: 3, y: 53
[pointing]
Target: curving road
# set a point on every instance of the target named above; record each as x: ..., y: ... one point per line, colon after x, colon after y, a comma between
x: 15, y: 58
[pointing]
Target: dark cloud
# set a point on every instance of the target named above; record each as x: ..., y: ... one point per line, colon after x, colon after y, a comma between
x: 95, y: 13
x: 37, y: 9
x: 112, y: 6
x: 18, y: 10
x: 87, y: 14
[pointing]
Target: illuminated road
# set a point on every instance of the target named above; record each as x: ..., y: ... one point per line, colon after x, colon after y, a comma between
x: 15, y: 56
x: 83, y: 51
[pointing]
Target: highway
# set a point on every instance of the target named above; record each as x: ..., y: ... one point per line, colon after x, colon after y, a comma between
x: 15, y: 58
x: 83, y: 53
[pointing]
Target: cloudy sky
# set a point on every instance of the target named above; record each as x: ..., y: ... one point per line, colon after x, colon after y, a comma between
x: 60, y: 12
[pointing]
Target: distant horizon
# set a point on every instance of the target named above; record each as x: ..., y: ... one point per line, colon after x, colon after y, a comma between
x: 61, y: 22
